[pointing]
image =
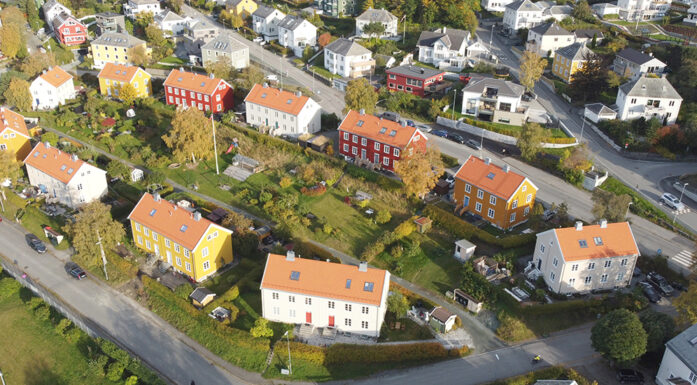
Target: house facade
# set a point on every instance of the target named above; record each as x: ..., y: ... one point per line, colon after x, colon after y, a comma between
x: 414, y: 80
x: 191, y: 244
x: 646, y: 10
x: 51, y: 89
x: 336, y: 8
x: 14, y: 136
x: 64, y: 177
x: 521, y: 14
x: 545, y: 39
x: 349, y: 59
x: 53, y: 8
x: 133, y: 8
x: 283, y: 112
x: 169, y: 21
x: 494, y: 100
x: 384, y: 17
x: 648, y: 98
x: 114, y: 76
x: 570, y: 59
x: 583, y: 258
x: 296, y: 33
x: 116, y: 48
x: 606, y: 9
x: 495, y: 5
x: 227, y: 49
x: 242, y: 8
x: 557, y: 12
x: 679, y: 364
x: 68, y: 30
x: 497, y: 194
x: 110, y: 22
x: 199, y: 33
x: 324, y: 294
x: 632, y: 64
x: 691, y: 18
x: 265, y: 22
x: 206, y: 93
x: 587, y: 35
x: 376, y: 142
x: 444, y: 47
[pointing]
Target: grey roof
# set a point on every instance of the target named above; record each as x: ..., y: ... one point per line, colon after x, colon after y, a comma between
x: 291, y: 22
x: 415, y: 71
x: 599, y: 109
x: 505, y: 88
x: 555, y: 382
x: 576, y: 51
x: 650, y: 87
x: 550, y: 29
x: 264, y: 11
x: 346, y: 47
x: 523, y: 5
x: 224, y: 43
x: 684, y: 345
x: 118, y: 39
x: 167, y: 16
x: 634, y: 56
x: 377, y: 15
x: 453, y: 38
x: 50, y: 4
x: 588, y: 33
x: 200, y: 293
x: 200, y: 24
x: 144, y: 2
x: 558, y: 10
x: 60, y: 19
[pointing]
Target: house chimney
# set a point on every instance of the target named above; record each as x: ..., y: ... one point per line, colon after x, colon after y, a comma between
x: 298, y: 93
x: 579, y: 226
x: 181, y: 69
x: 445, y: 29
x: 362, y: 111
x: 197, y: 216
x: 422, y: 70
x: 363, y: 266
x: 487, y: 160
x: 74, y: 157
x: 211, y: 76
x: 156, y: 197
x: 506, y: 168
x: 47, y: 144
x: 603, y: 223
x: 290, y: 255
x: 266, y: 85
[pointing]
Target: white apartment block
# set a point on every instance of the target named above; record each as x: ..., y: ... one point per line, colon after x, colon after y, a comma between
x: 265, y: 22
x: 496, y: 100
x: 583, y: 258
x: 349, y: 59
x: 388, y: 20
x: 324, y: 294
x: 522, y: 14
x: 133, y: 8
x: 449, y: 48
x: 679, y: 365
x: 632, y: 64
x: 282, y: 112
x: 53, y: 8
x: 296, y: 33
x: 51, y: 89
x: 495, y: 5
x: 691, y: 18
x: 169, y: 21
x: 545, y: 39
x: 648, y: 98
x: 632, y: 10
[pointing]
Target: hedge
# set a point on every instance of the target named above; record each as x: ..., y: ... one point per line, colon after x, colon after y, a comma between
x: 463, y: 229
x: 339, y: 354
x: 513, y: 132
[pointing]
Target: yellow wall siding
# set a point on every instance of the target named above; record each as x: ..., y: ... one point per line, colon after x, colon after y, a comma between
x: 219, y: 252
x: 141, y: 82
x: 20, y: 145
x: 113, y: 54
x: 502, y: 209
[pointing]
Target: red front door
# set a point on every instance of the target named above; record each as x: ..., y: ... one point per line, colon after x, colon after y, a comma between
x: 308, y: 317
x: 331, y: 321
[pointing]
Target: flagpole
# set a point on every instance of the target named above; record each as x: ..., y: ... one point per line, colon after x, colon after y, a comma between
x: 215, y: 147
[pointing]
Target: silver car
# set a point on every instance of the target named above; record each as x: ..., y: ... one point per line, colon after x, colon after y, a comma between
x: 672, y: 201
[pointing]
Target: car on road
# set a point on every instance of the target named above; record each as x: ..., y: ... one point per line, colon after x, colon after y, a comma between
x: 76, y: 271
x: 424, y: 128
x: 678, y: 286
x: 629, y: 375
x: 650, y: 292
x: 410, y: 123
x: 660, y: 283
x: 35, y: 243
x: 474, y: 144
x: 441, y: 133
x: 457, y: 138
x: 672, y: 201
x: 258, y: 39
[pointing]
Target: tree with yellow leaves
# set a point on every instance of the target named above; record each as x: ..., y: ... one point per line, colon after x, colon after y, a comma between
x: 190, y: 136
x: 532, y: 66
x: 419, y: 170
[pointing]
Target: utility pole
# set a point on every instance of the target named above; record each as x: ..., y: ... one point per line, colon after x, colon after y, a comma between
x: 404, y: 28
x: 101, y: 248
x: 583, y: 124
x: 454, y: 99
x: 215, y: 147
x: 491, y: 37
x: 290, y: 364
x: 680, y: 201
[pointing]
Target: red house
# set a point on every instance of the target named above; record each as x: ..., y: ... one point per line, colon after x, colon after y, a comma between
x: 203, y: 92
x: 377, y: 142
x: 413, y: 79
x: 68, y: 30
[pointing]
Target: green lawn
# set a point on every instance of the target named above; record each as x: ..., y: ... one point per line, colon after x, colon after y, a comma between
x: 32, y: 219
x: 412, y: 331
x: 173, y: 60
x: 662, y: 37
x: 339, y: 26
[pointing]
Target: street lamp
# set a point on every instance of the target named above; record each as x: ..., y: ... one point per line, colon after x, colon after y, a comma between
x: 2, y: 378
x: 627, y: 213
x: 675, y: 216
x: 290, y: 364
x: 454, y: 99
x: 583, y: 125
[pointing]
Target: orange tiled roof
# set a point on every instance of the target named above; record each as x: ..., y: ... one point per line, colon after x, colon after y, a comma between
x: 118, y: 72
x: 324, y: 279
x: 284, y: 101
x: 170, y: 220
x: 54, y: 162
x: 372, y: 127
x: 489, y: 177
x: 56, y: 76
x: 13, y: 121
x: 193, y: 82
x: 616, y: 239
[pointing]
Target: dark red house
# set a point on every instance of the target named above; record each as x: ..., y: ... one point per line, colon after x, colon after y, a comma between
x: 69, y: 31
x: 414, y: 79
x: 377, y: 142
x: 206, y: 93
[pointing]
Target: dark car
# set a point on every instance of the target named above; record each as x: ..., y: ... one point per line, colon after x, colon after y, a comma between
x: 393, y: 116
x: 474, y: 144
x: 629, y: 375
x: 441, y: 133
x: 77, y: 272
x: 410, y: 123
x: 456, y: 138
x: 650, y: 292
x: 660, y: 283
x: 35, y: 243
x: 678, y: 286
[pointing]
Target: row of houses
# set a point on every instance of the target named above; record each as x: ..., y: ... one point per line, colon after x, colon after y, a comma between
x: 527, y: 14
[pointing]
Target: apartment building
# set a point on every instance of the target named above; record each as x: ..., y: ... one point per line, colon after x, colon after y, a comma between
x: 206, y: 93
x: 645, y: 10
x: 265, y: 22
x: 632, y: 64
x: 415, y: 80
x: 51, y: 89
x: 522, y: 14
x: 227, y: 49
x: 494, y: 100
x: 116, y: 48
x: 648, y: 98
x: 114, y: 76
x: 283, y: 112
x: 349, y: 59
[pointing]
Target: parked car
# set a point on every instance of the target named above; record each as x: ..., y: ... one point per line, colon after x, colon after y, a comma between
x: 410, y: 123
x: 672, y: 201
x: 441, y: 133
x: 77, y: 272
x: 678, y: 286
x: 548, y: 214
x: 272, y: 78
x: 258, y: 39
x: 457, y: 138
x: 629, y: 375
x: 389, y: 115
x: 660, y: 283
x: 35, y: 243
x: 424, y: 128
x: 451, y: 180
x: 650, y: 292
x: 474, y: 144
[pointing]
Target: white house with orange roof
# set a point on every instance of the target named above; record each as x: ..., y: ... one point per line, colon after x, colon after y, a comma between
x: 324, y: 294
x: 14, y: 136
x: 51, y: 89
x: 283, y: 112
x: 583, y: 258
x: 64, y: 177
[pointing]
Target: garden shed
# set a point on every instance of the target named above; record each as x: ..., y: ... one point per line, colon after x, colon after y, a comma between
x: 201, y: 297
x: 423, y: 224
x: 441, y: 319
x: 467, y: 301
x: 136, y: 175
x: 464, y: 249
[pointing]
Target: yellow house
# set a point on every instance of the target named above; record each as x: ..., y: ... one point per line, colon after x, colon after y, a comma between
x: 243, y: 8
x: 113, y: 76
x: 117, y: 48
x: 570, y: 59
x: 191, y: 244
x: 14, y: 136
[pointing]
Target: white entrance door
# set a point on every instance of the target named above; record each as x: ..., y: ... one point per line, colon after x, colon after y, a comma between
x: 157, y: 250
x: 169, y: 257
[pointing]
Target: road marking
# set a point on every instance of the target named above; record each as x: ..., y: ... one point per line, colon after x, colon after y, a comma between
x: 684, y: 258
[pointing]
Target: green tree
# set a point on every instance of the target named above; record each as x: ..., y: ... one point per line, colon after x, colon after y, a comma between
x: 582, y: 11
x: 190, y: 136
x: 659, y: 328
x: 261, y: 328
x: 383, y: 216
x: 12, y: 15
x: 175, y: 5
x: 608, y: 205
x: 10, y: 40
x: 475, y: 284
x: 7, y: 77
x: 251, y: 76
x: 132, y: 380
x: 238, y: 222
x: 92, y: 223
x: 360, y: 94
x: 462, y: 17
x: 128, y: 94
x: 594, y: 41
x: 532, y: 66
x: 530, y: 140
x: 117, y: 169
x: 316, y: 20
x: 613, y: 79
x: 374, y: 29
x: 419, y: 170
x: 397, y: 304
x: 686, y: 305
x: 33, y: 16
x: 617, y: 43
x: 50, y: 137
x: 589, y: 81
x: 619, y: 336
x: 10, y: 169
x: 18, y: 95
x: 367, y: 4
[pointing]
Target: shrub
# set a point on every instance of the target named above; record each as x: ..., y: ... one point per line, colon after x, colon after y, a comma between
x: 113, y: 351
x: 34, y: 303
x: 63, y: 326
x: 314, y: 354
x: 285, y: 182
x: 261, y: 328
x: 96, y: 366
x: 9, y: 287
x: 383, y: 216
x: 339, y: 354
x: 115, y: 371
x: 42, y: 313
x: 314, y: 190
x: 512, y: 329
x: 183, y: 291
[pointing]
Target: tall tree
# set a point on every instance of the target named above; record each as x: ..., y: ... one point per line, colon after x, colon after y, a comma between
x: 9, y: 169
x: 33, y: 16
x: 532, y: 66
x: 92, y: 224
x: 10, y: 40
x: 360, y: 94
x: 190, y: 136
x: 128, y: 94
x: 251, y: 76
x: 374, y: 29
x: 659, y: 328
x: 37, y: 62
x: 139, y: 55
x: 117, y: 169
x: 608, y: 205
x: 397, y: 304
x: 686, y: 305
x: 220, y: 68
x: 462, y: 17
x: 236, y: 22
x: 619, y: 336
x: 530, y: 140
x: 582, y: 11
x: 419, y: 170
x: 588, y: 82
x: 367, y: 4
x: 324, y: 39
x: 12, y: 15
x: 175, y: 5
x: 18, y: 95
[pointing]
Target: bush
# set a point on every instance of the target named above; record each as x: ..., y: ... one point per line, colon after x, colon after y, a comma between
x: 512, y: 329
x: 285, y: 182
x: 115, y: 371
x: 339, y: 354
x: 314, y: 191
x: 449, y: 161
x: 42, y: 313
x: 63, y: 326
x: 9, y: 287
x: 383, y: 216
x: 113, y: 351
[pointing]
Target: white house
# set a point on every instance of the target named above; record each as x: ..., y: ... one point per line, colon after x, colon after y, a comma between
x: 347, y: 58
x: 169, y: 21
x: 691, y: 18
x: 648, y: 98
x: 224, y: 47
x: 646, y: 10
x: 495, y: 100
x: 53, y: 8
x: 679, y: 365
x: 632, y: 64
x: 51, y: 89
x: 583, y: 258
x: 495, y: 5
x: 388, y: 20
x: 283, y: 112
x: 324, y: 294
x: 64, y: 177
x: 545, y: 39
x: 134, y: 7
x: 296, y: 33
x: 265, y: 21
x: 522, y: 14
x: 448, y: 48
x: 606, y: 9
